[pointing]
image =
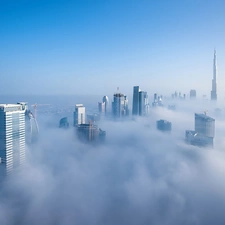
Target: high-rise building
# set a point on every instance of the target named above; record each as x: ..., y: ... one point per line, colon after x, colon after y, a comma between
x: 214, y: 85
x: 204, y: 132
x: 140, y: 102
x: 157, y: 101
x: 120, y: 105
x: 205, y: 125
x: 79, y: 115
x: 105, y: 100
x: 12, y: 137
x: 192, y: 94
x: 143, y: 103
x: 101, y: 107
x: 135, y: 108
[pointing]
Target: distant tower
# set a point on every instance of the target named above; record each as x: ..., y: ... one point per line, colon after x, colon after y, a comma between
x: 101, y: 107
x: 135, y: 109
x: 143, y: 103
x: 214, y: 88
x: 192, y: 94
x: 120, y: 105
x: 140, y: 102
x: 105, y: 99
x: 79, y: 115
x: 12, y: 137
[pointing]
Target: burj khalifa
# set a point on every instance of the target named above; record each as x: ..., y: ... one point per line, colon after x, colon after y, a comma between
x: 214, y: 88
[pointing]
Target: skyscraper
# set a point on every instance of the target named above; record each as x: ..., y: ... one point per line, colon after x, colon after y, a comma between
x: 120, y: 105
x: 214, y: 85
x: 12, y: 137
x: 140, y: 102
x: 205, y: 125
x: 105, y: 99
x: 79, y: 115
x: 204, y: 132
x: 135, y: 108
x: 101, y: 107
x: 192, y: 94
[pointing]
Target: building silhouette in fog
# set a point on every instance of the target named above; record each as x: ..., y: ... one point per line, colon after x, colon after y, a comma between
x: 12, y: 137
x: 105, y: 100
x: 157, y: 101
x: 164, y: 125
x: 101, y: 107
x: 63, y: 123
x: 120, y: 105
x: 192, y: 94
x: 79, y: 115
x: 90, y: 133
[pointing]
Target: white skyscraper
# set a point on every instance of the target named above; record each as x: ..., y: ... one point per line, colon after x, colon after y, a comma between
x: 12, y: 137
x: 79, y: 115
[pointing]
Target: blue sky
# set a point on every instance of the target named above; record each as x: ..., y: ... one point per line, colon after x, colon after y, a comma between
x: 93, y: 47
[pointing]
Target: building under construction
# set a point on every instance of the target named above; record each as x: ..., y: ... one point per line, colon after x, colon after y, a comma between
x: 90, y: 133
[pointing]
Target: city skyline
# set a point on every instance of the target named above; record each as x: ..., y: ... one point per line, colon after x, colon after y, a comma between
x: 106, y: 112
x: 72, y: 44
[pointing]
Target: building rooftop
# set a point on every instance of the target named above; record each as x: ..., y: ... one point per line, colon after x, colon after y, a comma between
x: 118, y: 95
x: 10, y: 107
x: 204, y: 117
x: 79, y: 105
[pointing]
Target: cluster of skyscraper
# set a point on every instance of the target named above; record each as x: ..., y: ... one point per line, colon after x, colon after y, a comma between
x: 18, y: 125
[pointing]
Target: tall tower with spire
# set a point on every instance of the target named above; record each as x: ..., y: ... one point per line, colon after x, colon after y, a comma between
x: 214, y: 88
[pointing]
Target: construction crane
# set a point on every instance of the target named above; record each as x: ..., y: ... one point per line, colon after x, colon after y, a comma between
x: 35, y: 108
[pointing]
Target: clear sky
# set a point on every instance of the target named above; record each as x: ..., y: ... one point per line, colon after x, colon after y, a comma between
x: 95, y: 46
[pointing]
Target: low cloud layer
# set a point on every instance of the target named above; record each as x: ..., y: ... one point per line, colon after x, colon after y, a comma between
x: 139, y: 176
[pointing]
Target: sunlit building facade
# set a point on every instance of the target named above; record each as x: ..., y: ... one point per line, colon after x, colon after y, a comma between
x: 79, y: 115
x: 12, y: 137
